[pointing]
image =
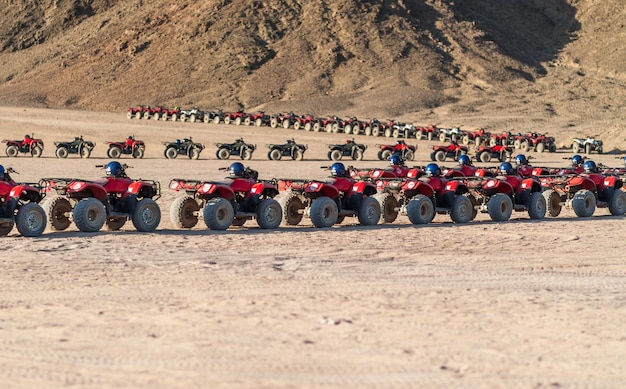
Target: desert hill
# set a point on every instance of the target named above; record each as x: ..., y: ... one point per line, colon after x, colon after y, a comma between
x: 474, y: 62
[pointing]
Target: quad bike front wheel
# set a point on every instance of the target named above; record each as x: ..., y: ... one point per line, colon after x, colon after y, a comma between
x: 275, y: 155
x: 462, y: 210
x: 269, y: 214
x: 584, y: 203
x: 537, y: 206
x: 89, y: 215
x: 500, y: 207
x: 223, y: 153
x: 147, y: 215
x: 420, y: 210
x: 30, y: 220
x: 409, y: 155
x: 184, y: 212
x: 335, y: 155
x: 61, y: 152
x: 139, y: 152
x: 194, y: 153
x: 369, y: 211
x: 358, y: 155
x: 246, y: 154
x: 617, y: 203
x: 218, y: 214
x: 114, y: 152
x: 58, y: 210
x: 85, y: 152
x: 324, y: 212
x: 298, y: 155
x: 36, y: 151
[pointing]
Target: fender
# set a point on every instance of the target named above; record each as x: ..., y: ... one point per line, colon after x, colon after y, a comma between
x: 580, y: 182
x: 529, y: 184
x: 613, y: 182
x: 318, y: 188
x: 263, y: 188
x: 209, y: 190
x: 495, y: 185
x: 137, y: 187
x: 118, y: 144
x: 82, y: 189
x: 456, y: 186
x: 363, y: 187
x: 25, y: 192
x: 418, y: 187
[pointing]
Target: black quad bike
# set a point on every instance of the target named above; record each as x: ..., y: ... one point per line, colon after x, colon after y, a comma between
x: 77, y: 146
x: 349, y: 149
x: 185, y: 147
x: 237, y: 148
x: 288, y: 149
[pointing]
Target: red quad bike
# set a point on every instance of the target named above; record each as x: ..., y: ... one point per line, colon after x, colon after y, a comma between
x: 421, y: 198
x: 405, y: 150
x: 172, y: 114
x: 237, y: 117
x: 258, y: 119
x: 430, y: 132
x: 500, y: 196
x: 152, y: 112
x: 131, y: 146
x: 585, y: 192
x: 442, y: 152
x: 352, y: 126
x: 282, y: 119
x: 19, y: 206
x: 476, y: 137
x: 329, y: 202
x: 135, y: 112
x: 305, y: 122
x: 539, y: 143
x: 325, y: 124
x: 500, y: 152
x: 112, y: 200
x: 223, y: 204
x: 28, y: 145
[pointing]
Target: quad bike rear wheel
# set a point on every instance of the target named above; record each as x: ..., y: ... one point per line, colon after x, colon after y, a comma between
x: 269, y: 214
x: 440, y: 156
x: 388, y: 132
x: 368, y: 131
x: 174, y: 117
x: 137, y: 115
x: 395, y: 133
x: 485, y: 156
x: 442, y: 137
x: 500, y: 207
x: 369, y: 211
x: 419, y: 134
x: 258, y: 122
x: 12, y: 151
x: 147, y: 215
x: 376, y: 131
x: 138, y: 152
x: 227, y: 119
x: 357, y: 155
x: 324, y: 212
x: 89, y: 215
x: 238, y: 121
x: 164, y: 117
x: 298, y: 155
x: 246, y: 153
x: 386, y: 154
x: 194, y: 153
x: 275, y: 155
x: 114, y: 152
x: 273, y: 122
x: 218, y: 214
x: 575, y: 147
x: 584, y: 203
x: 540, y: 147
x: 30, y: 220
x: 553, y: 202
x: 292, y: 207
x: 192, y: 118
x: 462, y: 210
x: 296, y: 125
x: 171, y: 152
x: 247, y: 121
x: 388, y: 204
x: 115, y: 223
x: 316, y: 127
x: 537, y: 206
x: 420, y: 210
x: 129, y: 115
x: 36, y: 151
x: 308, y: 126
x: 57, y: 211
x: 6, y: 228
x: 156, y: 116
x: 184, y: 212
x: 217, y: 119
x: 347, y: 129
x: 465, y: 140
x: 61, y: 152
x: 409, y: 155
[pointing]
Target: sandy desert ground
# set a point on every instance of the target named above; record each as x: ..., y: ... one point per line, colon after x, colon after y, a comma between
x: 532, y: 304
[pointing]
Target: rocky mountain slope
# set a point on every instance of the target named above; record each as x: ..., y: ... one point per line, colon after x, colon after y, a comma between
x: 471, y: 62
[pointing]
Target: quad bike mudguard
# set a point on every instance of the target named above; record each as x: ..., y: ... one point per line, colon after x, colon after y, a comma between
x: 146, y: 189
x: 495, y: 185
x: 263, y: 188
x: 580, y: 182
x: 24, y: 191
x: 317, y: 189
x: 363, y: 187
x: 414, y: 187
x: 209, y: 190
x: 456, y: 186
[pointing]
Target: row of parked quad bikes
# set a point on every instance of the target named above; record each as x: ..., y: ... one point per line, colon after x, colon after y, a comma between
x: 372, y: 127
x: 370, y: 195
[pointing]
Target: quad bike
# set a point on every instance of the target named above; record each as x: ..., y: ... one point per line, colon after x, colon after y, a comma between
x: 420, y: 199
x: 172, y: 114
x: 112, y: 200
x: 504, y: 139
x: 477, y: 137
x: 258, y: 119
x: 403, y: 130
x: 430, y: 132
x: 187, y: 147
x: 452, y: 134
x: 453, y: 150
x: 352, y: 126
x: 587, y: 145
x: 325, y: 124
x: 288, y: 149
x: 192, y: 115
x: 349, y: 149
x: 226, y: 203
x: 486, y: 153
x: 584, y: 193
x: 305, y: 122
x: 406, y: 151
x: 539, y: 143
x: 28, y: 145
x: 500, y: 196
x: 136, y: 112
x: 282, y: 119
x: 19, y: 206
x: 153, y: 113
x: 237, y: 118
x: 377, y: 128
x: 77, y: 146
x: 131, y: 146
x: 214, y: 117
x: 327, y: 203
x: 237, y: 148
